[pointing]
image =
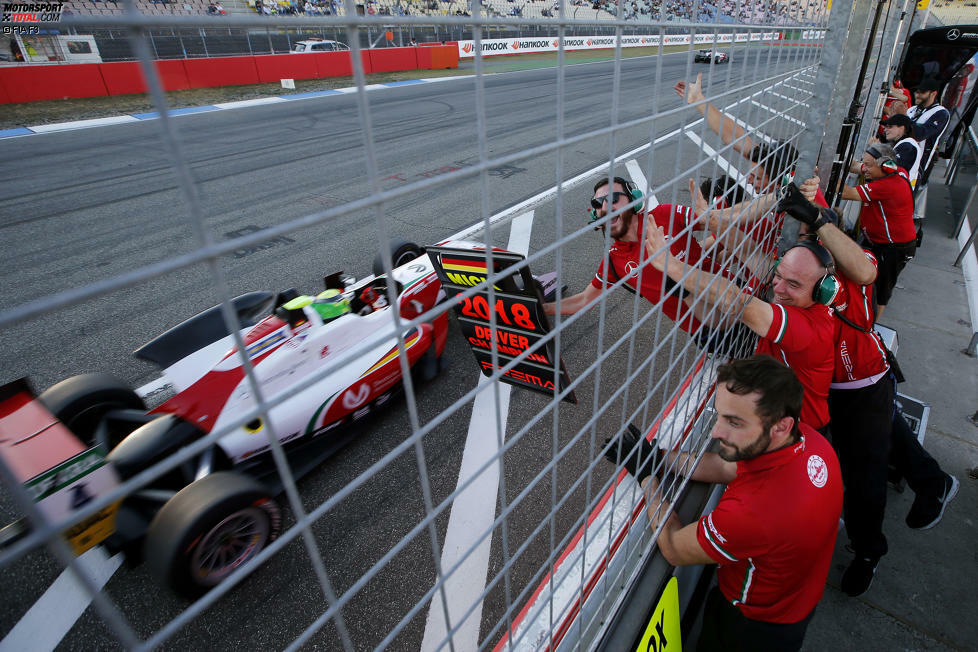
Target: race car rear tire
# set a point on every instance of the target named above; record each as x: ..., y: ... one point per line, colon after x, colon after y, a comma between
x: 208, y: 530
x: 80, y: 402
x: 402, y: 252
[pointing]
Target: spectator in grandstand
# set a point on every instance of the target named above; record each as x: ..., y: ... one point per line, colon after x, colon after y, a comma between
x: 620, y: 209
x: 886, y: 217
x: 898, y: 134
x: 771, y: 160
x: 796, y: 327
x: 861, y: 403
x: 773, y: 531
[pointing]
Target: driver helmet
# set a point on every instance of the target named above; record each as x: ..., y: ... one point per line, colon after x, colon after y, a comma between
x: 331, y: 304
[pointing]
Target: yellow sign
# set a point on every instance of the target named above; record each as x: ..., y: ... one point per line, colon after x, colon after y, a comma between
x: 923, y: 4
x: 663, y: 633
x: 93, y: 530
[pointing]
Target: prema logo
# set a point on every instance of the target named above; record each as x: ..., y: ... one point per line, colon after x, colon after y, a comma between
x: 356, y: 397
x: 467, y: 48
x: 818, y: 471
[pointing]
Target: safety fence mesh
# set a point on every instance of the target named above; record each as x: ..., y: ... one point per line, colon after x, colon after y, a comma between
x: 471, y: 514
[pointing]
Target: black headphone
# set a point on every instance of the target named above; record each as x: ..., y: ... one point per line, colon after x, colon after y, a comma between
x: 887, y: 164
x: 826, y: 289
x: 633, y: 192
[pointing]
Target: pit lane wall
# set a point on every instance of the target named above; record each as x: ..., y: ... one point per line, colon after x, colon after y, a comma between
x: 502, y: 46
x: 55, y: 82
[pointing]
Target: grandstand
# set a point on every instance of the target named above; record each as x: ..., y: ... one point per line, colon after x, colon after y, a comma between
x: 729, y: 12
x: 955, y: 12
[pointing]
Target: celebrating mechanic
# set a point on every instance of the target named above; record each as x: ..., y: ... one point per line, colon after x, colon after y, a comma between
x: 797, y: 327
x: 886, y: 217
x: 620, y: 209
x: 773, y: 532
x: 861, y: 403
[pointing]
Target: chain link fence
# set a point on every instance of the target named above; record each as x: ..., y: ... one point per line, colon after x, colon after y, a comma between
x: 513, y: 530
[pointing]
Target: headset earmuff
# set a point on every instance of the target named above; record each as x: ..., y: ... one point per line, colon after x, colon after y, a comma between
x: 634, y: 193
x: 827, y: 288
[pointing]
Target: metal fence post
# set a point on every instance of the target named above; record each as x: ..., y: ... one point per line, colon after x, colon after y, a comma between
x: 888, y: 41
x: 829, y: 83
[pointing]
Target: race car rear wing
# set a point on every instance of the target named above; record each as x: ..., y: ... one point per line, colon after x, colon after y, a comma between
x: 58, y: 473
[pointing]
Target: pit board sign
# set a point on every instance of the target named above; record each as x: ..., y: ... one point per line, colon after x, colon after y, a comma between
x: 517, y: 306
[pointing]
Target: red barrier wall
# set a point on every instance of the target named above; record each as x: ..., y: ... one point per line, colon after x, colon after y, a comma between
x: 273, y: 67
x: 32, y: 83
x: 173, y: 75
x: 392, y: 59
x: 221, y: 71
x: 48, y: 82
x: 127, y: 76
x: 334, y: 64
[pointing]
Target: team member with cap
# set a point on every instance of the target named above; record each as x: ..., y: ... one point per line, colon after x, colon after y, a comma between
x: 773, y: 531
x: 886, y: 217
x: 930, y: 121
x: 898, y: 132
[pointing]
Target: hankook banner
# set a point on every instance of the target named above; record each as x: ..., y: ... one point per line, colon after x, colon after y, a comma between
x: 493, y: 47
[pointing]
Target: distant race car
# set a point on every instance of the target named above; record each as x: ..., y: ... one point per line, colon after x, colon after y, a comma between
x: 203, y: 519
x: 706, y: 56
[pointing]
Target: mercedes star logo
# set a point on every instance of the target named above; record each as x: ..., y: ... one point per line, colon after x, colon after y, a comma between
x: 953, y: 34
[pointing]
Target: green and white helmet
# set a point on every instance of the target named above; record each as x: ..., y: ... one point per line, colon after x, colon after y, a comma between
x: 331, y: 304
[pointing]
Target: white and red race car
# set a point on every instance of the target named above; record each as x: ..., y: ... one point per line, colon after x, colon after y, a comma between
x: 197, y: 523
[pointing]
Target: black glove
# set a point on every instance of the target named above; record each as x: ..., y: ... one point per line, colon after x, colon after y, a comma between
x: 794, y: 204
x: 635, y: 449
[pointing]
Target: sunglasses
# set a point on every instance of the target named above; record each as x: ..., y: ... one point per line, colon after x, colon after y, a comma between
x: 598, y: 202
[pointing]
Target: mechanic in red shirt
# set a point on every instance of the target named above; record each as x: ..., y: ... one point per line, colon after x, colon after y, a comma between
x: 626, y: 259
x: 886, y: 217
x: 773, y: 531
x: 861, y: 403
x: 795, y: 327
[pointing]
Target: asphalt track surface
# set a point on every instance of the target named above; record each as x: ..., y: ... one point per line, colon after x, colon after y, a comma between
x: 85, y: 205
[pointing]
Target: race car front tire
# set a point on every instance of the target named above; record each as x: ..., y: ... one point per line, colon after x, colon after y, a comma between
x: 80, y: 402
x: 402, y: 252
x: 208, y: 530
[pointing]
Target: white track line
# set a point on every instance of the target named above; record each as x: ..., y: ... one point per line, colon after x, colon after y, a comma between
x: 780, y: 114
x: 474, y: 510
x: 638, y: 178
x: 723, y: 164
x: 790, y: 99
x: 47, y: 622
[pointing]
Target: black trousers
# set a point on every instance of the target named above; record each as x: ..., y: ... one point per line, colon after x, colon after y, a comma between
x: 726, y: 629
x: 862, y: 421
x: 922, y: 472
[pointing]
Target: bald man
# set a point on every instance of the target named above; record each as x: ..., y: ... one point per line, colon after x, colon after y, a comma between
x: 796, y: 327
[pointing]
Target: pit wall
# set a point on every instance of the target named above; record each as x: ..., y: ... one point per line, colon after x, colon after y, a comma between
x: 55, y: 82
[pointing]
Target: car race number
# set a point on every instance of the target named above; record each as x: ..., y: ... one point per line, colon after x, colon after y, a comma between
x: 517, y: 306
x: 663, y: 633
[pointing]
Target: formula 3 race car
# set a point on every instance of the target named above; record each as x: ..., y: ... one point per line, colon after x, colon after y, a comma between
x: 706, y: 56
x: 199, y: 522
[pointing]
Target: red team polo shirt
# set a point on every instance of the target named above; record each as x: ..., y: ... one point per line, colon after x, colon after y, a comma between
x: 860, y: 356
x: 887, y: 213
x: 625, y: 256
x: 773, y: 531
x: 804, y: 339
